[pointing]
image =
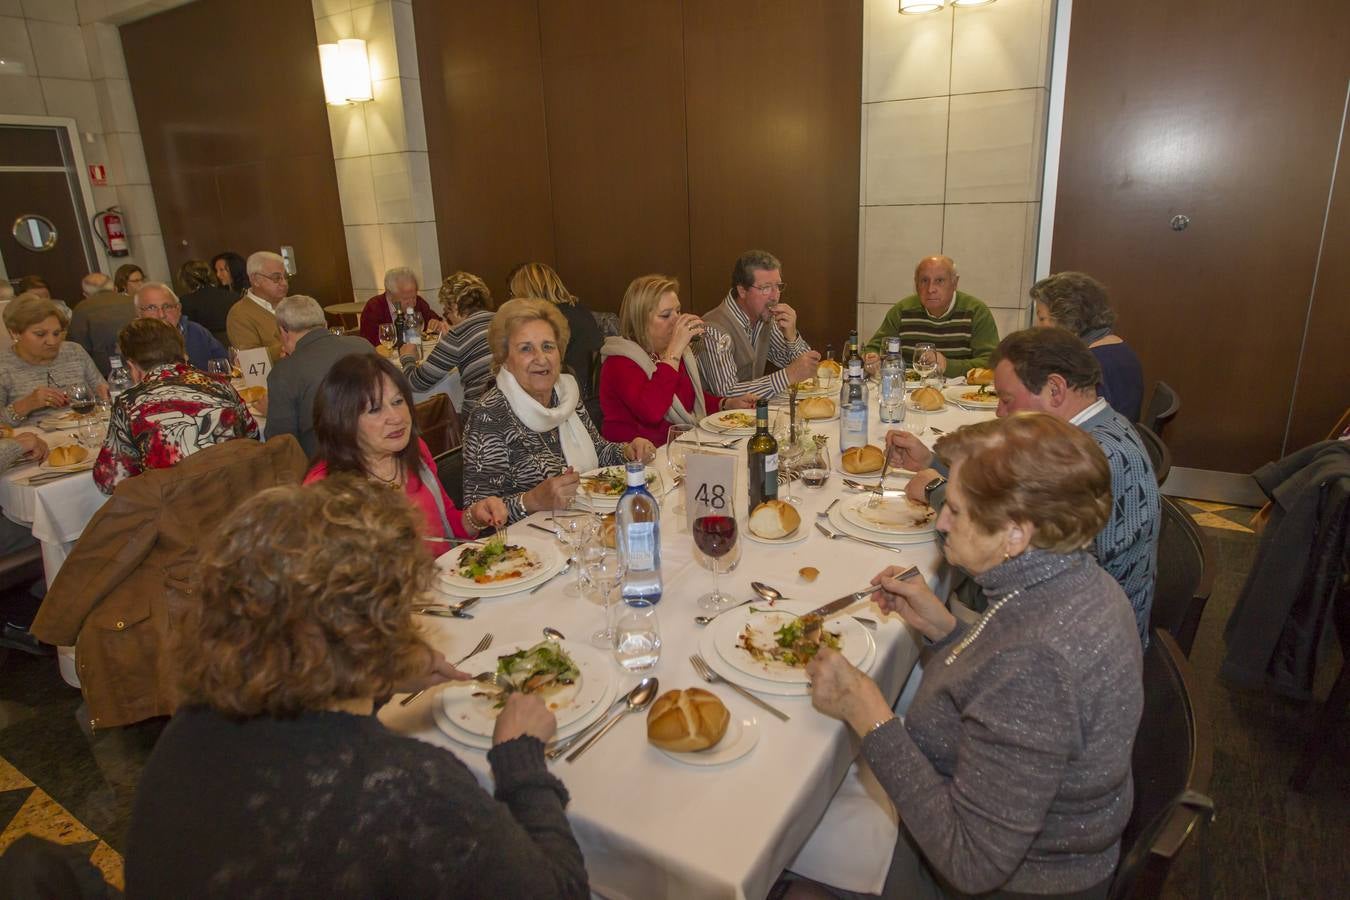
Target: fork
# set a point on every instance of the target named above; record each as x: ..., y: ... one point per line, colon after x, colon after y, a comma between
x: 825, y: 514
x: 706, y: 672
x: 839, y: 535
x: 478, y: 648
x: 880, y: 489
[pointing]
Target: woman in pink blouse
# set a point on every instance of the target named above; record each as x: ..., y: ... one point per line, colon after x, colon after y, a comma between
x: 649, y: 379
x: 363, y: 422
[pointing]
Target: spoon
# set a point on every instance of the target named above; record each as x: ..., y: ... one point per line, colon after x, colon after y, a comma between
x: 567, y: 567
x: 554, y: 634
x: 639, y: 699
x: 561, y: 747
x: 765, y: 593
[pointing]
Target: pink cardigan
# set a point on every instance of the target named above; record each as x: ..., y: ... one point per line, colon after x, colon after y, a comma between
x: 635, y: 405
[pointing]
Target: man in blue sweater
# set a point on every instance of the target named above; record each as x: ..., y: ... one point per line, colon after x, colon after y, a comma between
x: 1052, y: 371
x: 156, y: 300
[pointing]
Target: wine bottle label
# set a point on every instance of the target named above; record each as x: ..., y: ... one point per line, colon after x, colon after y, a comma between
x: 641, y: 550
x: 770, y: 463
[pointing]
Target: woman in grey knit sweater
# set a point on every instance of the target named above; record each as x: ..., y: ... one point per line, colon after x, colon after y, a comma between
x: 1011, y: 771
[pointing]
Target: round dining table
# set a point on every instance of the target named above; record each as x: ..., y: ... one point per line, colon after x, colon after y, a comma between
x: 648, y: 824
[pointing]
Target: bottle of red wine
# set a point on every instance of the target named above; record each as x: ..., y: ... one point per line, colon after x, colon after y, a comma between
x: 763, y: 455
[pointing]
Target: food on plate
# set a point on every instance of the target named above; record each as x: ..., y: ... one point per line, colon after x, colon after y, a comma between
x: 795, y: 644
x: 774, y: 519
x: 546, y: 664
x: 67, y: 455
x: 983, y: 394
x: 607, y: 536
x: 980, y: 376
x: 736, y: 420
x: 927, y: 398
x: 253, y: 394
x: 687, y: 721
x: 808, y: 573
x: 815, y: 408
x: 896, y: 512
x: 610, y: 482
x: 828, y: 369
x: 861, y: 460
x: 912, y: 377
x: 495, y: 561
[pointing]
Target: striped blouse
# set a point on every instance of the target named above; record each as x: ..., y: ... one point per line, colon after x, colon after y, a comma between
x: 505, y: 458
x: 464, y: 347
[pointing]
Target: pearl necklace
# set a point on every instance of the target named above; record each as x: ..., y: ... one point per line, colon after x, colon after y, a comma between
x: 979, y: 627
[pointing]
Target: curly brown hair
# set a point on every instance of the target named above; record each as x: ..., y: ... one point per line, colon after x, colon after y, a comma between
x: 1077, y: 302
x: 306, y: 598
x: 1032, y: 467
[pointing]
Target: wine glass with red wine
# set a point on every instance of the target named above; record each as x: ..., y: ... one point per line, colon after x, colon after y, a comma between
x: 715, y: 536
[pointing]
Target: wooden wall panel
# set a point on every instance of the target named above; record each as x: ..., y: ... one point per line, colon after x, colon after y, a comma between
x: 1227, y: 113
x: 482, y: 95
x: 614, y: 100
x: 230, y: 101
x: 773, y: 90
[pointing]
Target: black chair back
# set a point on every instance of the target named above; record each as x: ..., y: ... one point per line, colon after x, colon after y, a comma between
x: 1158, y: 454
x: 450, y: 471
x: 1163, y: 404
x: 1185, y: 576
x: 1172, y: 763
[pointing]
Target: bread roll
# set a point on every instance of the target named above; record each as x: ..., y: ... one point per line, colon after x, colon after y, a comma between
x: 67, y: 455
x: 980, y: 376
x: 774, y: 519
x: 253, y: 394
x: 686, y: 721
x: 815, y: 408
x: 828, y: 369
x: 607, y: 531
x: 927, y: 398
x: 861, y: 460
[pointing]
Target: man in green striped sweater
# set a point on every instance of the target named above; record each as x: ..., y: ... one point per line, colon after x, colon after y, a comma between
x: 958, y: 325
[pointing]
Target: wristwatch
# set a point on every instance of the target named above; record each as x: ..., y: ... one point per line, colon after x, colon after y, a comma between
x: 932, y: 486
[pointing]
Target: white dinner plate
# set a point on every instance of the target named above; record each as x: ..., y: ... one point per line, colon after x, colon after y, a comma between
x: 707, y: 647
x: 480, y: 742
x: 953, y: 395
x: 570, y: 703
x: 872, y: 515
x: 544, y: 550
x: 740, y: 738
x: 837, y: 519
x: 802, y: 533
x: 655, y: 485
x: 727, y: 628
x: 714, y: 423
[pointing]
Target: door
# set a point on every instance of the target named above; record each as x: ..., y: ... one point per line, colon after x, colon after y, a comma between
x: 1227, y: 113
x: 36, y: 180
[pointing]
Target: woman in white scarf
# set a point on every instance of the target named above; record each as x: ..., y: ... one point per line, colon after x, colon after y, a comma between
x: 531, y: 436
x: 650, y: 379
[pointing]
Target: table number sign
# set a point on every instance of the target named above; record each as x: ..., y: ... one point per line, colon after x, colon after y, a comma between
x: 253, y: 366
x: 709, y: 479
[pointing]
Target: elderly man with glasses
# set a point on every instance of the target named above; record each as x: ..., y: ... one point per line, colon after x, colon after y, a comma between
x: 752, y: 328
x: 252, y: 321
x: 156, y: 300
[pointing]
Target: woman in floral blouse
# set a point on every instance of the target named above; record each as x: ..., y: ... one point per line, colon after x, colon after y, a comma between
x: 173, y: 411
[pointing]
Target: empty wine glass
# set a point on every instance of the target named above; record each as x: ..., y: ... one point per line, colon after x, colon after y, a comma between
x: 604, y: 572
x: 789, y: 453
x: 715, y: 535
x: 925, y: 360
x: 574, y: 529
x: 387, y: 336
x: 679, y: 438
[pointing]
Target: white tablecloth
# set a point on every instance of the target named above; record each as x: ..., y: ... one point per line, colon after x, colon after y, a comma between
x: 652, y: 827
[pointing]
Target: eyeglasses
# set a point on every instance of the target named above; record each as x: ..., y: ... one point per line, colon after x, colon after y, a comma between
x: 769, y: 288
x: 154, y: 308
x: 275, y: 277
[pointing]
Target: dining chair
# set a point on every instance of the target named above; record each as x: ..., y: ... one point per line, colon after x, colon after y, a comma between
x: 1162, y: 406
x: 438, y: 423
x: 1185, y: 575
x: 1172, y: 763
x: 450, y: 471
x: 1158, y: 454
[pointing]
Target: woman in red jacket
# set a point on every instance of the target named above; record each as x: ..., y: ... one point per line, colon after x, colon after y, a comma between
x: 363, y: 421
x: 649, y: 379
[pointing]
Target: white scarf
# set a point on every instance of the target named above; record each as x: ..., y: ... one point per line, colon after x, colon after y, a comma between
x: 677, y: 413
x: 577, y: 446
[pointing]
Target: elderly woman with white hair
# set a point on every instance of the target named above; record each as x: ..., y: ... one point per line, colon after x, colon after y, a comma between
x: 531, y: 436
x: 400, y: 294
x: 252, y: 321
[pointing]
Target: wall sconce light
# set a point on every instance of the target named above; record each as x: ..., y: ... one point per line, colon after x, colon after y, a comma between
x: 968, y: 3
x: 346, y: 72
x: 918, y: 7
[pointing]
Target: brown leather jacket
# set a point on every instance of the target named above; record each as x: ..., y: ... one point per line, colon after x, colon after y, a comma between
x: 127, y: 582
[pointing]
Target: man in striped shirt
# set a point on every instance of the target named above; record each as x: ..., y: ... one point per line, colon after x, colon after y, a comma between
x: 751, y: 328
x: 958, y: 325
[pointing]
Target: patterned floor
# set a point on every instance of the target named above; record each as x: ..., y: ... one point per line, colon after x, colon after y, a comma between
x: 26, y: 808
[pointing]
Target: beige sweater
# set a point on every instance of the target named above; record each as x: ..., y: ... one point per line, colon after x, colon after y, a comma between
x: 248, y: 325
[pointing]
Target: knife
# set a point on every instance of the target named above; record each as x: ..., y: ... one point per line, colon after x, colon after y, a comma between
x: 848, y: 600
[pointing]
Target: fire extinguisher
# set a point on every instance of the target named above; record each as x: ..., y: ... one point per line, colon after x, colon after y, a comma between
x: 111, y: 231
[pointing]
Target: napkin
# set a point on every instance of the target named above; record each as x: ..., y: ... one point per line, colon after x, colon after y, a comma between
x: 852, y: 845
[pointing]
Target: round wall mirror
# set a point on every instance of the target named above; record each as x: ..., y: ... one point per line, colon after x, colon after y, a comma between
x: 34, y: 232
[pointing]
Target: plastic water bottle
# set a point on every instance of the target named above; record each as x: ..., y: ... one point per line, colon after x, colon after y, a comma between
x: 638, y: 533
x: 853, y: 415
x: 119, y: 379
x: 892, y: 383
